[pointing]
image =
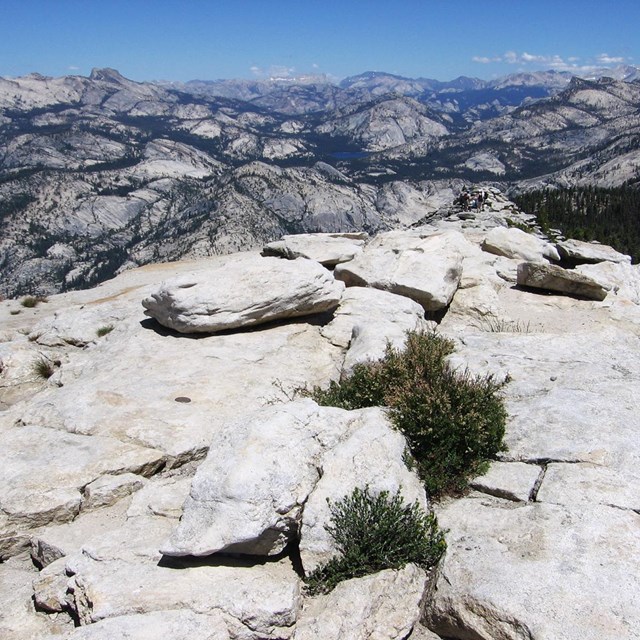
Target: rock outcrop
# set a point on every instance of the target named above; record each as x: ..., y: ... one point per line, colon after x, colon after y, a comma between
x: 245, y: 292
x: 555, y: 278
x: 163, y: 483
x: 424, y: 269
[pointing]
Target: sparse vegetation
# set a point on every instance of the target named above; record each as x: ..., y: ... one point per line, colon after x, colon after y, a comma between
x: 43, y: 367
x: 376, y: 532
x: 516, y: 224
x: 32, y: 301
x: 500, y: 325
x: 103, y: 331
x: 453, y: 422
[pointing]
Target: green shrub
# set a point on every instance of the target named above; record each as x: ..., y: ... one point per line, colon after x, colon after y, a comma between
x: 453, y: 422
x: 29, y: 302
x: 103, y: 331
x: 43, y: 368
x: 373, y: 533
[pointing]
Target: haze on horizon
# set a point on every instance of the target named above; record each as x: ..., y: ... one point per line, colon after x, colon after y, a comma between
x: 153, y: 40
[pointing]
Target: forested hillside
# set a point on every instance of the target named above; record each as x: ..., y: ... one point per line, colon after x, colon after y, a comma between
x: 610, y: 216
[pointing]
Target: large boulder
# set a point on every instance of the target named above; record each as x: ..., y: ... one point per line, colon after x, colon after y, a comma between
x: 578, y: 252
x: 517, y: 244
x: 243, y: 291
x: 553, y: 278
x: 373, y: 455
x: 329, y: 249
x: 425, y: 269
x: 270, y: 474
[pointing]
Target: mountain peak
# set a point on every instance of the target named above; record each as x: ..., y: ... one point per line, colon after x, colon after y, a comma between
x: 107, y: 75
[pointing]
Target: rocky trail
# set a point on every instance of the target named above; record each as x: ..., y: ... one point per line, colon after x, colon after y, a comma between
x: 163, y: 479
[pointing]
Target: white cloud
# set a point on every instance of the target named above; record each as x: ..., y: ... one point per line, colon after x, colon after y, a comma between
x: 73, y: 68
x: 511, y: 57
x: 256, y: 71
x: 556, y: 62
x: 605, y: 58
x: 280, y: 71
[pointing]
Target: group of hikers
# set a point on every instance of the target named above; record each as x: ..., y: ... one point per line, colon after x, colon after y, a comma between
x: 472, y: 200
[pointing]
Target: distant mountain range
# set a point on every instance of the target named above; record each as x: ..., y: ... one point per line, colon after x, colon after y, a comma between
x: 102, y: 173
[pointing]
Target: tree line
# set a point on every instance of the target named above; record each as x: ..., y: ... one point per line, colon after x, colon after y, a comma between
x: 610, y: 216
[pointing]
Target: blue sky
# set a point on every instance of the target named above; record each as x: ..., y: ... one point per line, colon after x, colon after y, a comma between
x: 161, y: 39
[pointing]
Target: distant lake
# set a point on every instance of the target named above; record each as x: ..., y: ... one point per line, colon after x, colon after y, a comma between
x: 349, y: 155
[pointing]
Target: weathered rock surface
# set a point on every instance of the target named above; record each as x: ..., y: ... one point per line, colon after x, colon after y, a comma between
x: 39, y: 489
x: 385, y: 606
x: 328, y: 249
x: 97, y: 461
x: 18, y: 620
x: 367, y: 320
x: 572, y: 417
x: 515, y: 481
x: 578, y: 252
x: 373, y: 454
x: 271, y: 473
x: 244, y: 291
x: 177, y: 625
x: 622, y: 278
x: 427, y: 270
x: 554, y: 278
x: 536, y: 571
x: 517, y: 244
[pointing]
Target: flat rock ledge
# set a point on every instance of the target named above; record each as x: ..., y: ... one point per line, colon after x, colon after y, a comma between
x: 515, y: 243
x: 425, y: 269
x: 244, y: 291
x: 329, y: 249
x: 578, y: 252
x: 550, y: 277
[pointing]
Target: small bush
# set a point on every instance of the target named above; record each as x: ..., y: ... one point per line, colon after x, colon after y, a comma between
x: 30, y: 301
x: 373, y: 533
x: 43, y: 368
x: 103, y: 331
x: 453, y: 421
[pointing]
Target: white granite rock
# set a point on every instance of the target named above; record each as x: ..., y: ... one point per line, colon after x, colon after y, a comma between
x: 517, y: 244
x: 425, y: 269
x: 382, y: 606
x: 372, y: 455
x: 243, y: 291
x: 18, y: 618
x: 328, y: 249
x: 579, y: 252
x: 536, y: 571
x: 553, y: 278
x: 509, y: 480
x: 173, y: 625
x: 622, y: 278
x: 267, y: 474
x: 42, y: 472
x: 369, y: 319
x: 109, y: 489
x: 248, y: 495
x: 259, y: 602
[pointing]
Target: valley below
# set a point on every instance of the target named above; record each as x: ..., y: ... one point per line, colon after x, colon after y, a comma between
x: 180, y: 264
